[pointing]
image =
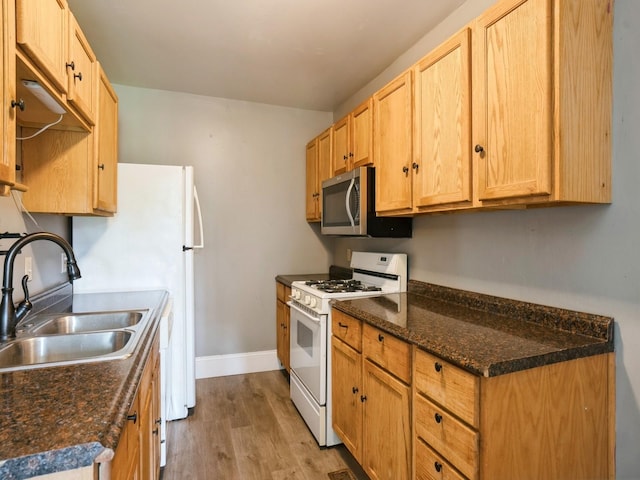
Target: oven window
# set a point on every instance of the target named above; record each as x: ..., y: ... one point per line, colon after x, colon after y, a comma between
x: 305, y: 338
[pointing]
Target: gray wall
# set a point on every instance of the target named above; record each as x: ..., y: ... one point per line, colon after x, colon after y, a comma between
x: 249, y: 171
x: 584, y: 258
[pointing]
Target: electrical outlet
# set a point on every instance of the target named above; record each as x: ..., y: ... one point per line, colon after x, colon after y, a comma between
x: 28, y: 267
x: 63, y: 263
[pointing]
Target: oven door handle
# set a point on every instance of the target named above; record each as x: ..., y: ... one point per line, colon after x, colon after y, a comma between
x: 347, y: 202
x: 299, y: 310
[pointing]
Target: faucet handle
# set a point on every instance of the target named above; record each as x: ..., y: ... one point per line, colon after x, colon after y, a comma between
x: 25, y: 305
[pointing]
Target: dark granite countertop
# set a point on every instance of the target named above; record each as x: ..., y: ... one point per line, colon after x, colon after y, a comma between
x: 484, y: 335
x: 335, y: 272
x: 61, y: 418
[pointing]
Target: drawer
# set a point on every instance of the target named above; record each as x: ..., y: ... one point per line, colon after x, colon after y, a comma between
x: 347, y: 329
x: 449, y: 386
x: 431, y: 466
x: 448, y: 436
x: 388, y: 351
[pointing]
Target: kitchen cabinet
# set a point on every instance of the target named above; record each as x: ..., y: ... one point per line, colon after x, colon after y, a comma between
x: 441, y: 166
x: 283, y: 293
x: 138, y: 453
x: 52, y: 40
x: 353, y: 139
x: 9, y: 99
x: 392, y: 144
x: 481, y: 427
x: 318, y: 170
x: 371, y: 397
x: 542, y: 101
x: 74, y: 172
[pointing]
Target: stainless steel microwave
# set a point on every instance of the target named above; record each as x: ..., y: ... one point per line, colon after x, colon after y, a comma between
x: 348, y: 208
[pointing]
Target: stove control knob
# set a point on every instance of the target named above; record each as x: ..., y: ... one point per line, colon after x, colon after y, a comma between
x: 307, y: 300
x: 295, y: 293
x: 314, y: 302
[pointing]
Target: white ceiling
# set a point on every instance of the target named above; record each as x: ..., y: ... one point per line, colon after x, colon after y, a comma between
x: 310, y: 54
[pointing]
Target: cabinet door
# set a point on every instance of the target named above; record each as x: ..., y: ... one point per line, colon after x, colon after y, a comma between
x: 512, y: 94
x: 125, y: 464
x: 106, y: 145
x: 41, y: 30
x: 280, y: 329
x: 442, y: 154
x: 392, y: 138
x: 81, y: 73
x: 7, y: 82
x: 346, y: 374
x: 286, y: 320
x: 341, y: 146
x: 361, y: 153
x: 312, y: 181
x: 325, y: 151
x: 387, y: 435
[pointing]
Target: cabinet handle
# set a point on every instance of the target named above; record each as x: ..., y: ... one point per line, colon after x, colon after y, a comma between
x: 380, y: 337
x: 479, y: 148
x: 437, y: 466
x: 354, y: 390
x: 415, y: 166
x: 342, y: 325
x: 158, y: 421
x: 133, y: 418
x: 78, y: 76
x: 405, y: 169
x: 438, y: 417
x: 71, y: 65
x: 351, y: 154
x: 154, y: 431
x: 437, y: 366
x: 19, y: 104
x: 344, y: 157
x: 363, y: 398
x: 101, y: 166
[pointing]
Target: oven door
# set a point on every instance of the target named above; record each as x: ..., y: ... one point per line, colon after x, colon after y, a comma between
x: 308, y: 355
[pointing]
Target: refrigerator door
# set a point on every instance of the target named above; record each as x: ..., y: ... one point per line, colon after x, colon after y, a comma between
x: 142, y: 248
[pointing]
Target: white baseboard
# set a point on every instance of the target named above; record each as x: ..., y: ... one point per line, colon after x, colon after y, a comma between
x: 236, y: 363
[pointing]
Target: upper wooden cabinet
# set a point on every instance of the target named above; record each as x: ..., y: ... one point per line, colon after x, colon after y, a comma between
x: 392, y: 144
x: 9, y: 100
x: 81, y: 72
x: 105, y: 137
x: 318, y: 170
x: 53, y: 42
x: 542, y: 100
x: 442, y: 127
x: 353, y: 139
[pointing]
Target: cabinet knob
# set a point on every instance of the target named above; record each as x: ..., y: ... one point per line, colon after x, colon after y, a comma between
x: 344, y: 157
x: 479, y: 148
x: 437, y: 366
x: 380, y: 337
x: 78, y: 76
x: 438, y: 417
x: 354, y: 389
x: 19, y: 104
x: 437, y: 466
x: 405, y: 169
x: 101, y: 166
x: 415, y: 166
x: 133, y: 418
x: 351, y: 154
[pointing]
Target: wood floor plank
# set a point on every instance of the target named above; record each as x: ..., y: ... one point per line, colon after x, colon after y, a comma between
x: 245, y: 427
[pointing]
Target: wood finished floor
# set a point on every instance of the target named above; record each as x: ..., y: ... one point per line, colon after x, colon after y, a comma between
x: 246, y: 428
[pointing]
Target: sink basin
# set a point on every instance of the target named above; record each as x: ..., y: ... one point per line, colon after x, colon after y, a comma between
x: 88, y: 322
x: 63, y: 349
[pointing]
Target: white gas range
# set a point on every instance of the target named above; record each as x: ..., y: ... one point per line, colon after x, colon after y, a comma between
x: 310, y: 354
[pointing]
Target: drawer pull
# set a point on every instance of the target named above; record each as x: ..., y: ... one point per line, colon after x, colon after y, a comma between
x: 438, y: 366
x: 437, y: 466
x: 438, y: 417
x: 354, y: 389
x: 133, y: 418
x: 380, y: 337
x: 342, y: 325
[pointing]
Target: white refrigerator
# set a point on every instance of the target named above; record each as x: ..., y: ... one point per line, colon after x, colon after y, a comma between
x: 147, y: 245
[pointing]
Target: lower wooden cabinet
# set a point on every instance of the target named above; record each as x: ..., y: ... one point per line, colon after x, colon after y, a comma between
x: 371, y: 407
x: 138, y: 453
x: 282, y: 324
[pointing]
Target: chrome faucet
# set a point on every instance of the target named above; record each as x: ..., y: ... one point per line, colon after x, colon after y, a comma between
x: 9, y: 315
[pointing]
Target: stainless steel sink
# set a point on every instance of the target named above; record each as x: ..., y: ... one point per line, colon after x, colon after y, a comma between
x: 88, y: 322
x: 68, y: 338
x: 64, y: 348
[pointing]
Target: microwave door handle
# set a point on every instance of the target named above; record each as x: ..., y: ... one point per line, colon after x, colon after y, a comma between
x: 347, y: 202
